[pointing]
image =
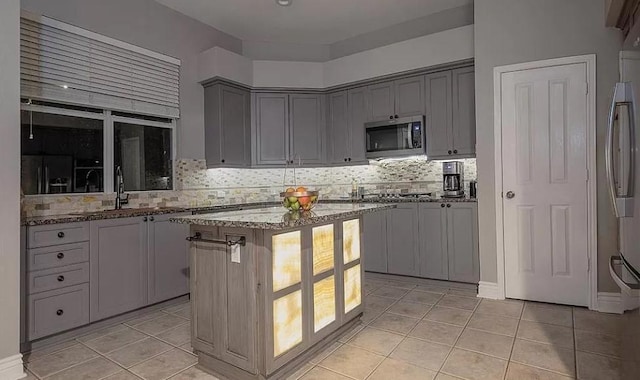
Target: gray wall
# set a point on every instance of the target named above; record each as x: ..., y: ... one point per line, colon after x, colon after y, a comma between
x: 153, y: 26
x: 433, y: 23
x: 10, y: 174
x: 513, y: 31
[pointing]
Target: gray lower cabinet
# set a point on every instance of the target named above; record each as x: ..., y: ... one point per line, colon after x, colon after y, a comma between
x: 55, y: 280
x: 136, y: 262
x: 430, y: 240
x: 118, y: 266
x: 168, y: 258
x: 227, y: 117
x: 450, y: 114
x: 375, y: 244
x: 402, y: 245
x: 462, y: 237
x: 289, y: 129
x: 433, y: 240
x: 218, y: 283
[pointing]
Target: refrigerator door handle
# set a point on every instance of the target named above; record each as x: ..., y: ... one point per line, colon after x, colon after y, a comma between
x: 609, y: 151
x: 46, y: 180
x: 39, y: 179
x: 622, y: 203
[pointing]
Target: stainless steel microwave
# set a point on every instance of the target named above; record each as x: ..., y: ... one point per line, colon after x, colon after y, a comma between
x: 395, y: 138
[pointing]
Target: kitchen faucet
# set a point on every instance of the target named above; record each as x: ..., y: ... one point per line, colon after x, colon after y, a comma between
x: 120, y: 190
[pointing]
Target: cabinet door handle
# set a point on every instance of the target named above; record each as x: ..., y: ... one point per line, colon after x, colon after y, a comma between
x: 391, y: 117
x: 349, y: 159
x: 60, y: 278
x: 144, y: 219
x: 59, y: 312
x: 442, y: 205
x: 449, y: 206
x: 152, y: 218
x: 60, y: 256
x: 455, y: 151
x: 345, y: 160
x: 222, y: 161
x: 60, y: 234
x: 396, y: 116
x: 449, y: 152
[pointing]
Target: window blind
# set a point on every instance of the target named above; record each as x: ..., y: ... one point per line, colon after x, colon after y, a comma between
x: 64, y: 63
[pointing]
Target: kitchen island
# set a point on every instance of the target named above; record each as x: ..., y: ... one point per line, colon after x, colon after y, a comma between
x: 269, y: 289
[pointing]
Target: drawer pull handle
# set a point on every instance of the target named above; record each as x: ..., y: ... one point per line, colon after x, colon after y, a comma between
x: 60, y: 256
x: 59, y: 312
x: 60, y: 278
x: 60, y: 234
x: 449, y: 206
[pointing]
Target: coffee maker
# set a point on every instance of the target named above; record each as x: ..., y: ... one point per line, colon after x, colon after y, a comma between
x: 453, y: 179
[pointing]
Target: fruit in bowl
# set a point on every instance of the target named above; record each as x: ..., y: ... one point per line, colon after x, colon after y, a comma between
x: 299, y: 199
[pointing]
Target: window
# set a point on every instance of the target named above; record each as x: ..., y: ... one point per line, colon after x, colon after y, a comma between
x: 67, y: 149
x: 61, y: 154
x: 145, y: 156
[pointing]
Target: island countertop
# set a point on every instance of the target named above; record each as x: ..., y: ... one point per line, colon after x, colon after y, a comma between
x: 277, y: 218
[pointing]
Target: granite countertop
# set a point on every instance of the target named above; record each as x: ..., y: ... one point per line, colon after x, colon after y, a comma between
x: 133, y: 212
x: 276, y: 218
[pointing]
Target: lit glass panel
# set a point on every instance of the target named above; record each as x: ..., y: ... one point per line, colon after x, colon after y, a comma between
x: 352, y: 288
x: 286, y: 249
x: 322, y: 249
x: 324, y: 302
x: 351, y: 240
x: 287, y: 322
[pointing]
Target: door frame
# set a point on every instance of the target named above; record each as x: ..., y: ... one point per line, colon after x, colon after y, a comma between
x: 592, y: 242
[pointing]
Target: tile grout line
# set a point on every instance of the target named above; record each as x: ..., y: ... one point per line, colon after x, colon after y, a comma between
x: 456, y: 342
x: 513, y: 345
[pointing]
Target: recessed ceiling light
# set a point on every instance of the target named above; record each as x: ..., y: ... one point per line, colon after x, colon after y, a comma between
x: 284, y: 3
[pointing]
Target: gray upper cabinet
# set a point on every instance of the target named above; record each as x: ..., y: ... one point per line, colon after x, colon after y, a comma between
x: 438, y: 114
x: 382, y: 100
x: 118, y: 266
x: 434, y: 262
x: 227, y: 126
x: 339, y: 136
x: 464, y: 112
x: 375, y: 244
x: 409, y: 96
x: 168, y: 258
x: 462, y: 236
x: 357, y: 112
x: 271, y: 129
x: 307, y: 129
x: 402, y: 245
x: 394, y: 99
x: 450, y: 114
x: 289, y: 129
x: 346, y: 115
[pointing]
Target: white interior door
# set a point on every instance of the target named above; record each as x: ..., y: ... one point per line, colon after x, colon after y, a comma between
x: 544, y: 170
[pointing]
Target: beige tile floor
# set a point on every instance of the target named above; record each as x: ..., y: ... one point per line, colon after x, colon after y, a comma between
x: 409, y: 332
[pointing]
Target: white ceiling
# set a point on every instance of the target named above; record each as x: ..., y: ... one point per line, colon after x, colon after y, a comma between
x: 306, y: 21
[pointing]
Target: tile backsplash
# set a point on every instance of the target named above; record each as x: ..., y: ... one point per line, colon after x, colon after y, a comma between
x: 198, y: 186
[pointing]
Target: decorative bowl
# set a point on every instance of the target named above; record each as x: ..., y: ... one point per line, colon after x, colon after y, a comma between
x: 299, y: 200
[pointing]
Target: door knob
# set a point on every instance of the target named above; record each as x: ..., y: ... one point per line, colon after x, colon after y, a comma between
x: 510, y: 194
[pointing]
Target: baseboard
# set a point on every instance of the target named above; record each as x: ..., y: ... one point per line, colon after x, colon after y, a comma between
x: 11, y: 368
x: 488, y: 290
x: 610, y: 303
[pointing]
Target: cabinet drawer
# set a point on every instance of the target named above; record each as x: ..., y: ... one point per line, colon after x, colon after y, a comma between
x: 56, y: 278
x: 58, y: 310
x: 56, y: 234
x: 57, y: 256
